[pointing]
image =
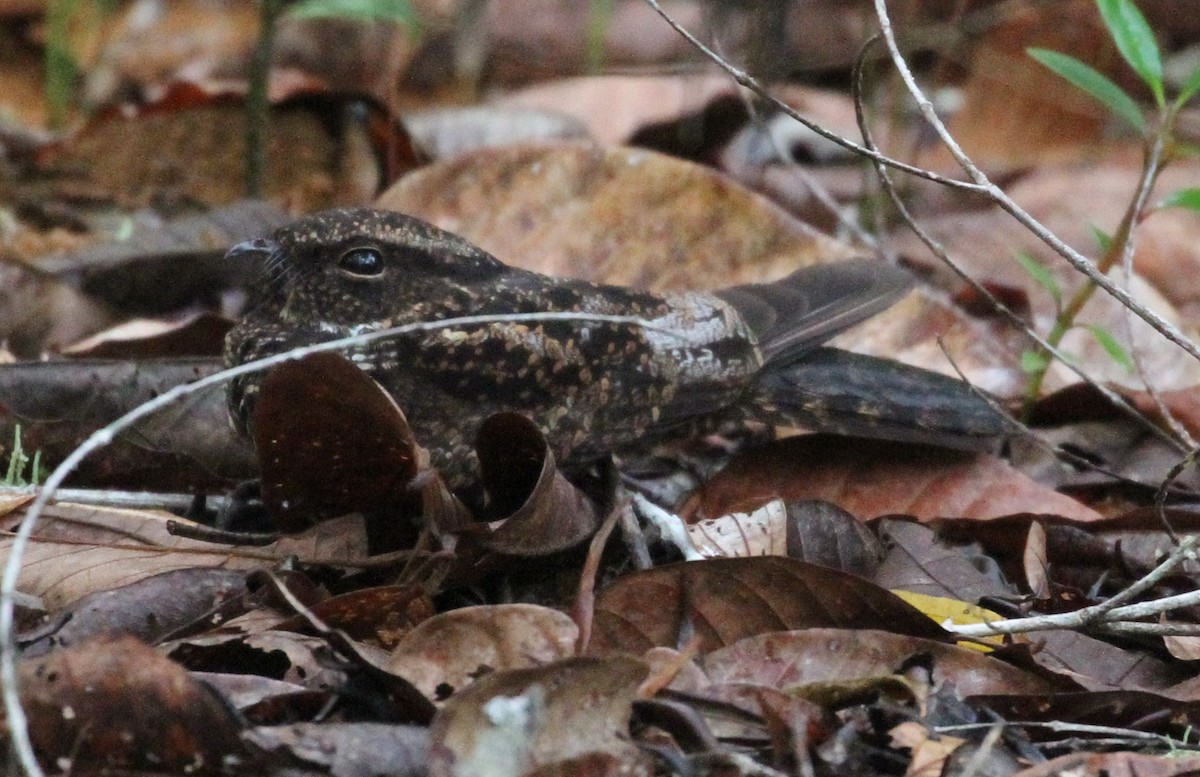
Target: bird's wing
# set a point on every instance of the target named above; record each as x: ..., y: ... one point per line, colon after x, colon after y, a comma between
x: 793, y: 315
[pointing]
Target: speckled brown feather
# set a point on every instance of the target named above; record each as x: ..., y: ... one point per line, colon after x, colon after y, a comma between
x: 592, y: 387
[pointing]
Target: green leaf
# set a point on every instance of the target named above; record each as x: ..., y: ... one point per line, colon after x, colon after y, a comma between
x: 1111, y: 346
x: 1041, y: 276
x: 1033, y: 362
x: 1190, y: 87
x: 1188, y: 199
x: 1102, y: 238
x: 1185, y: 149
x: 400, y: 11
x: 1094, y: 83
x: 1136, y: 42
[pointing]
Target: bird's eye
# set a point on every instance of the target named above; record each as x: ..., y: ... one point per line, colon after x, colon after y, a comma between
x: 362, y: 261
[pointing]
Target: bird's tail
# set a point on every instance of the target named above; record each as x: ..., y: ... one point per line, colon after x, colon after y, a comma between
x: 831, y: 390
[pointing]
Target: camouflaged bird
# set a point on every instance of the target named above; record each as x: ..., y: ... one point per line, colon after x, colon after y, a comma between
x: 744, y: 353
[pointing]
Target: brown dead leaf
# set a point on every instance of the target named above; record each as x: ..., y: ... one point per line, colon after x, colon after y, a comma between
x: 206, y: 41
x: 542, y: 512
x: 347, y: 749
x: 621, y: 216
x: 282, y: 655
x: 188, y: 445
x: 39, y: 312
x: 244, y: 691
x: 195, y: 336
x: 870, y: 478
x: 1101, y: 666
x: 148, y: 609
x: 445, y: 653
x: 383, y: 613
x: 319, y: 154
x: 78, y: 550
x: 510, y: 722
x: 763, y: 532
x: 1109, y: 553
x: 632, y: 102
x: 929, y: 751
x: 823, y: 533
x: 1119, y: 764
x: 985, y: 244
x: 121, y: 705
x: 791, y: 659
x: 331, y: 441
x: 920, y: 562
x: 448, y: 132
x: 1016, y: 111
x: 724, y: 600
x: 21, y: 70
x: 531, y: 42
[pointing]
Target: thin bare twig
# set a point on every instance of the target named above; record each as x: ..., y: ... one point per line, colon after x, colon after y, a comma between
x: 1112, y: 609
x: 938, y: 250
x: 997, y: 195
x: 751, y: 83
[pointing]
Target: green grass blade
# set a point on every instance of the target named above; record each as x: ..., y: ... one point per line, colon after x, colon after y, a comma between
x: 1041, y: 276
x: 1111, y: 346
x: 1190, y: 87
x: 1135, y: 40
x: 1094, y: 83
x: 1188, y: 198
x: 400, y: 11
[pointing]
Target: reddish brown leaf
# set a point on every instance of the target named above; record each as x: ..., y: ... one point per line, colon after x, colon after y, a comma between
x: 870, y: 478
x: 634, y: 101
x: 543, y: 513
x: 579, y: 210
x: 383, y: 614
x: 319, y: 153
x: 1016, y: 110
x: 330, y: 441
x: 831, y: 656
x: 121, y: 705
x: 725, y: 600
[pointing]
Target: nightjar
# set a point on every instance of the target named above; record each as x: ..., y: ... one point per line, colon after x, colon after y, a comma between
x: 750, y: 352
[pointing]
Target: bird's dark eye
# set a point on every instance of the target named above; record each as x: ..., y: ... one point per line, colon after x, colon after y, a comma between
x: 362, y: 261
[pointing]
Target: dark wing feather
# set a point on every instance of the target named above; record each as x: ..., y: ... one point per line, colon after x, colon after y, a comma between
x: 793, y: 315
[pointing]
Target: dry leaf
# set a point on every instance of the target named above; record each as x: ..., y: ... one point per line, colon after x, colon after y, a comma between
x: 442, y: 655
x: 871, y: 478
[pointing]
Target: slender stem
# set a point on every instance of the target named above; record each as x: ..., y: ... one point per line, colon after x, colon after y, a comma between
x: 258, y: 104
x: 1122, y: 243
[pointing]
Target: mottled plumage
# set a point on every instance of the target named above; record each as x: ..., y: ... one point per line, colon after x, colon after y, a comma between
x: 593, y: 387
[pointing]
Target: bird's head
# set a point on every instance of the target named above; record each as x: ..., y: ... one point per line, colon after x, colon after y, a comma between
x: 353, y: 267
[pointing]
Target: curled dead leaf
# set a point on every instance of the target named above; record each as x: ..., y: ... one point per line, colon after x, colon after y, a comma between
x: 545, y: 513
